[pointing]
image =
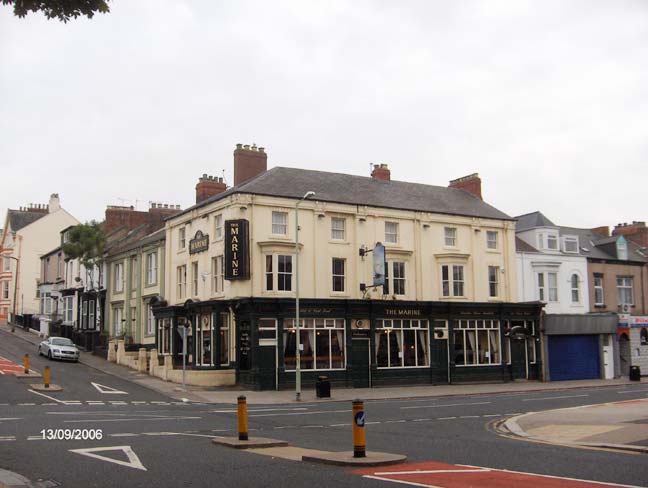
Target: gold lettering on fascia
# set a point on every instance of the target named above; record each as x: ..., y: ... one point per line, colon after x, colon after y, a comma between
x: 407, y: 313
x: 234, y: 230
x: 315, y: 310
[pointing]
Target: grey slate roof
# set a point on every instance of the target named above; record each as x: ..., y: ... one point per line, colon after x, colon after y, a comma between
x: 359, y: 190
x: 19, y: 218
x: 587, y: 239
x: 531, y: 220
x: 522, y: 246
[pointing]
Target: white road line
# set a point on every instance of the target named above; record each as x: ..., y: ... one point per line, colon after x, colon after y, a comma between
x: 446, y: 418
x: 312, y: 427
x: 514, y: 413
x: 129, y: 420
x: 630, y: 391
x: 446, y: 405
x: 492, y: 415
x: 138, y: 403
x: 400, y: 482
x: 260, y: 410
x: 469, y: 417
x: 11, y: 418
x: 339, y: 425
x: 123, y: 435
x: 372, y: 423
x: 25, y: 404
x: 395, y: 421
x: 47, y: 396
x: 118, y: 403
x: 299, y: 413
x: 95, y: 403
x: 552, y: 398
x: 35, y: 438
x: 433, y: 471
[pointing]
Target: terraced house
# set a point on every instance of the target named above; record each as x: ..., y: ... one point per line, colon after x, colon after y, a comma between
x: 447, y: 311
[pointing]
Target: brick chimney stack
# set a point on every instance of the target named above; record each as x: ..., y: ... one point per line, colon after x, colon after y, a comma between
x: 636, y: 232
x: 249, y: 162
x: 470, y: 183
x: 381, y: 172
x: 604, y: 231
x: 208, y: 186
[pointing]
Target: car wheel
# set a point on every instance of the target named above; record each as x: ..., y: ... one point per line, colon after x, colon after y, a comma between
x: 49, y: 355
x: 40, y: 353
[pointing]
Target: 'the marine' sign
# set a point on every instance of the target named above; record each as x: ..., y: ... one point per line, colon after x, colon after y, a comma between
x: 199, y: 243
x: 237, y: 250
x: 403, y: 312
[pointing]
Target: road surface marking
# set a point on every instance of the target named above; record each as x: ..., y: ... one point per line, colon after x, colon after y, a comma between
x: 126, y: 434
x: 260, y: 410
x: 90, y: 402
x: 129, y: 420
x: 133, y: 460
x: 298, y: 413
x: 630, y: 391
x: 11, y: 418
x: 446, y: 418
x: 48, y: 397
x: 469, y: 417
x: 446, y: 405
x: 107, y: 390
x: 339, y: 425
x: 116, y: 402
x: 421, y: 420
x: 395, y: 421
x: 25, y: 404
x: 552, y: 398
x: 492, y: 415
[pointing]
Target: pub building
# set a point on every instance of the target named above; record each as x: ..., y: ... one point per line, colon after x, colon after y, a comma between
x: 399, y: 283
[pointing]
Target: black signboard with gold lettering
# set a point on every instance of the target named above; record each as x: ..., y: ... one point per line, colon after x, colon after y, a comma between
x: 237, y: 250
x: 199, y: 243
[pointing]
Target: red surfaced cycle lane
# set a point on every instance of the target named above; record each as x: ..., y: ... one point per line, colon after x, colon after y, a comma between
x: 442, y: 475
x: 9, y: 367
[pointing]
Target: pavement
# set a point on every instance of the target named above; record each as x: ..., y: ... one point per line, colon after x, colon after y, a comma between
x: 617, y: 425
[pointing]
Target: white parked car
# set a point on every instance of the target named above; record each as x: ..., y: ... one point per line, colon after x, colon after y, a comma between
x: 59, y: 348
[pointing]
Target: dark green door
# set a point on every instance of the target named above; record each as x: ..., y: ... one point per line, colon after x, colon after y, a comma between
x: 518, y: 359
x: 360, y: 363
x: 268, y: 367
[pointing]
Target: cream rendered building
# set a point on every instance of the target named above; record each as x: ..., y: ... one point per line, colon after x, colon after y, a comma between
x: 451, y: 274
x: 29, y: 233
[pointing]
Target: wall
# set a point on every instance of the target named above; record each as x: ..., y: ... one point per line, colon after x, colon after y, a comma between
x: 610, y: 272
x: 529, y: 264
x: 421, y: 246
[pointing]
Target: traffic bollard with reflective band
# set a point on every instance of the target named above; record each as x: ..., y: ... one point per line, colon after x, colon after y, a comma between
x: 242, y: 419
x: 26, y: 362
x: 46, y: 377
x: 359, y: 448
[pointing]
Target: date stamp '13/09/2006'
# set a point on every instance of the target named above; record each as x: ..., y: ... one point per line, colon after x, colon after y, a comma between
x: 72, y: 434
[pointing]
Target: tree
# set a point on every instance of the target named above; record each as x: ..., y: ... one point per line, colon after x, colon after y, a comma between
x: 87, y: 243
x: 59, y: 9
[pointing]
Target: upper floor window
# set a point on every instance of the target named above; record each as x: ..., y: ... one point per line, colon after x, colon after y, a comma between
x: 151, y: 268
x: 570, y: 244
x: 280, y: 223
x: 622, y: 248
x: 150, y: 320
x: 134, y: 275
x: 599, y: 297
x: 181, y: 273
x: 194, y: 278
x: 5, y: 290
x: 119, y: 277
x: 68, y: 309
x: 450, y: 234
x: 625, y: 290
x: 182, y: 237
x: 7, y: 264
x: 552, y: 242
x: 575, y: 289
x: 218, y: 227
x: 493, y: 281
x: 491, y: 239
x: 548, y: 287
x: 394, y: 278
x: 338, y: 228
x: 278, y: 272
x: 391, y: 232
x: 452, y: 280
x: 217, y: 274
x: 338, y: 265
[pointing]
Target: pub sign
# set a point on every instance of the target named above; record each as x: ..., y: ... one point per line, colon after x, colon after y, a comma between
x: 237, y: 249
x: 199, y: 243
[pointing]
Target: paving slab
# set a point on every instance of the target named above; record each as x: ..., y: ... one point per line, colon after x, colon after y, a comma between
x: 251, y: 443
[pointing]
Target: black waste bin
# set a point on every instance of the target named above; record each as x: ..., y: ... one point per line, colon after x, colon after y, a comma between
x: 635, y: 373
x: 323, y: 387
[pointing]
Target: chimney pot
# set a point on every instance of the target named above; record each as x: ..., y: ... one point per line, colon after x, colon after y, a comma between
x: 262, y: 149
x: 381, y: 172
x: 470, y: 183
x: 248, y: 164
x: 239, y: 146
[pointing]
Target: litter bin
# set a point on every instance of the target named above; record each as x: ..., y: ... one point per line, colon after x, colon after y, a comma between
x: 635, y: 373
x: 323, y: 387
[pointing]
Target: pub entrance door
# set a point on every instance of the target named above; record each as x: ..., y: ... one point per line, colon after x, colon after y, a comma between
x: 360, y: 363
x: 518, y: 359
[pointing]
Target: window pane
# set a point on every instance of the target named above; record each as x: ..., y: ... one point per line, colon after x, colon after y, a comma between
x: 382, y: 349
x: 459, y: 356
x: 269, y: 273
x: 395, y: 348
x: 337, y: 348
x: 471, y: 347
x: 308, y: 348
x: 322, y: 351
x: 482, y: 345
x: 493, y: 336
x: 409, y: 347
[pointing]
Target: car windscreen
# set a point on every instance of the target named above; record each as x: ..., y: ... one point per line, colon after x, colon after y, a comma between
x: 62, y: 342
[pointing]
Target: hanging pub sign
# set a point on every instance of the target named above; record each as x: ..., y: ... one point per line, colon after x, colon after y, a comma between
x: 379, y: 265
x: 199, y: 243
x: 237, y: 250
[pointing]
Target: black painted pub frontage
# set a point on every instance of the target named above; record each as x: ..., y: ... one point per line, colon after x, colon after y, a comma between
x: 358, y: 343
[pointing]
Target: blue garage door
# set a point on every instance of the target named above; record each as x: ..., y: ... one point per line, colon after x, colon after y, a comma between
x: 574, y: 357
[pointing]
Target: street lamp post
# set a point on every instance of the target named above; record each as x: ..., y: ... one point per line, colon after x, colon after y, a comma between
x: 13, y: 314
x: 298, y: 346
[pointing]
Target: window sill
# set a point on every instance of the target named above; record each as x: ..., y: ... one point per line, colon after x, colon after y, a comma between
x: 339, y: 241
x: 494, y: 251
x: 402, y: 367
x: 181, y: 251
x: 340, y: 294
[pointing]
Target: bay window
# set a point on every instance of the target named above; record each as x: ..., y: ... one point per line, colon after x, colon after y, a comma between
x: 278, y: 272
x: 452, y: 280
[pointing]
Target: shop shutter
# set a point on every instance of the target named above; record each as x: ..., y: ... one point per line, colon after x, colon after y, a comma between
x: 574, y: 357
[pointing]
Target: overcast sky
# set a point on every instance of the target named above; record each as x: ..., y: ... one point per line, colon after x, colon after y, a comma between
x: 547, y: 100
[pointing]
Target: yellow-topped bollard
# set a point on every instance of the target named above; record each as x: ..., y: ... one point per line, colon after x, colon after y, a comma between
x: 242, y: 419
x: 46, y: 377
x: 26, y: 363
x: 359, y: 447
